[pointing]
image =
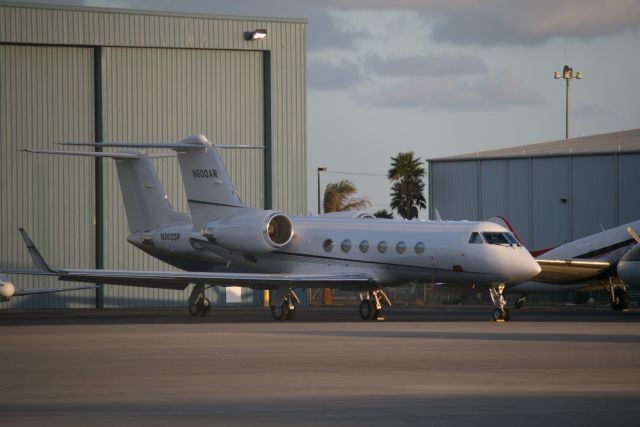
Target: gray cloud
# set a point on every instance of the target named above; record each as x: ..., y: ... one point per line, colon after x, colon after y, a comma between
x: 328, y: 76
x: 490, y: 92
x: 509, y: 22
x: 427, y: 65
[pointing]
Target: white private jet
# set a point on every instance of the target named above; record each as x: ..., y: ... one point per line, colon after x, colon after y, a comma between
x: 361, y: 255
x: 8, y: 290
x: 607, y: 260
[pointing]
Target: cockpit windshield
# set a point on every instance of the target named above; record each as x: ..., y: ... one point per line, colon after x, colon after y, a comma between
x: 497, y: 238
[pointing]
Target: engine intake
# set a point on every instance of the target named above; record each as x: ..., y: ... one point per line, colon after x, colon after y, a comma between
x: 255, y: 231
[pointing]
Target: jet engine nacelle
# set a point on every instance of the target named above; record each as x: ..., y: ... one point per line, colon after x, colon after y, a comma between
x: 629, y: 267
x: 7, y: 289
x: 255, y: 231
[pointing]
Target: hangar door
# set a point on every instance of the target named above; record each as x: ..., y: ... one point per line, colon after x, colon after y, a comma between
x: 164, y: 95
x: 46, y: 97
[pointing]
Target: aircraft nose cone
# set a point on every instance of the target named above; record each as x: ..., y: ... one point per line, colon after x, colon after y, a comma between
x: 526, y: 269
x: 6, y: 290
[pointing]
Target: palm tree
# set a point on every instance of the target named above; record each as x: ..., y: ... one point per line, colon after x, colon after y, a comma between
x: 407, y: 192
x: 338, y: 197
x: 383, y: 213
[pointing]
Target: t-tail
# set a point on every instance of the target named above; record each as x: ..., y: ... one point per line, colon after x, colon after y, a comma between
x: 210, y: 193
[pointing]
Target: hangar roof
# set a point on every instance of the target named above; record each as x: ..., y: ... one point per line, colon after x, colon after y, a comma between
x: 614, y: 142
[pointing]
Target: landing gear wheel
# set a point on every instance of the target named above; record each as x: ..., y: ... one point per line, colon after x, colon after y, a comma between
x: 206, y: 306
x: 280, y: 312
x: 620, y: 300
x: 201, y: 308
x: 498, y: 314
x: 366, y: 309
x: 194, y: 309
x: 507, y: 314
x: 291, y: 312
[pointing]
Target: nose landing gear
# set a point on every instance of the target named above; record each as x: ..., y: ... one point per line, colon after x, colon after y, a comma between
x: 501, y: 313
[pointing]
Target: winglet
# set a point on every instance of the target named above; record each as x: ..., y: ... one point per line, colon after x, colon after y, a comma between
x: 633, y: 234
x: 38, y: 260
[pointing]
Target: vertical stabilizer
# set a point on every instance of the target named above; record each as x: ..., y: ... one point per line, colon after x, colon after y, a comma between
x: 145, y: 200
x: 210, y: 193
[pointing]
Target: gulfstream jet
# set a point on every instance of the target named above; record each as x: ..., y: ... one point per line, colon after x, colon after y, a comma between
x: 357, y: 254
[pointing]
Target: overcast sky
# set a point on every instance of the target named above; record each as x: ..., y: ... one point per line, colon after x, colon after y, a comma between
x: 444, y: 77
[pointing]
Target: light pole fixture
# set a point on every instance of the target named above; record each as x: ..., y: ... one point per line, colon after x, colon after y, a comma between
x: 567, y: 74
x: 320, y: 169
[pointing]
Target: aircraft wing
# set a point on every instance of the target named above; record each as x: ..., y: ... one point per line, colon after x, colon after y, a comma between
x: 181, y: 279
x: 569, y: 271
x: 23, y: 292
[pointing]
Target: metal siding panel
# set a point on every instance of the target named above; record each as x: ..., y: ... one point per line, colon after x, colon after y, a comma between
x: 46, y: 97
x: 628, y: 179
x: 551, y: 223
x: 519, y: 197
x: 455, y: 190
x: 286, y: 42
x: 175, y: 88
x: 495, y: 188
x: 594, y: 194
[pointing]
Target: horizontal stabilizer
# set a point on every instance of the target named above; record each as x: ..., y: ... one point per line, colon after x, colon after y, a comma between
x: 116, y: 155
x: 178, y: 146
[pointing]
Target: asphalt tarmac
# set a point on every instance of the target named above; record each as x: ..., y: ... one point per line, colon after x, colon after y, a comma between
x: 420, y: 366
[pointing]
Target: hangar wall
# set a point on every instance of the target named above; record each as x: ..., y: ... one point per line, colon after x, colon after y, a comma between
x: 85, y: 74
x: 549, y: 199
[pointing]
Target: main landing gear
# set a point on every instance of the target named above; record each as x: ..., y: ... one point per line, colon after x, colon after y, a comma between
x: 199, y: 305
x: 619, y: 299
x: 501, y: 313
x: 283, y: 306
x: 371, y: 305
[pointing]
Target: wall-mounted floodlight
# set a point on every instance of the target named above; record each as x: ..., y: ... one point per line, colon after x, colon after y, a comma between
x: 258, y: 34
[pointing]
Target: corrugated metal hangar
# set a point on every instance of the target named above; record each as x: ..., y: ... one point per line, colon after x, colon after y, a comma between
x: 551, y: 193
x: 87, y: 74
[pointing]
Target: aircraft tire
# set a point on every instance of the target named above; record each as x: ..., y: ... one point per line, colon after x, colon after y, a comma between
x: 291, y: 313
x: 366, y: 309
x: 196, y: 309
x: 498, y: 314
x: 620, y: 300
x: 280, y: 312
x: 206, y: 307
x: 507, y: 314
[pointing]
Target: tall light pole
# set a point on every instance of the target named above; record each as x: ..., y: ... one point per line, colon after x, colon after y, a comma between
x: 320, y: 169
x: 567, y: 74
